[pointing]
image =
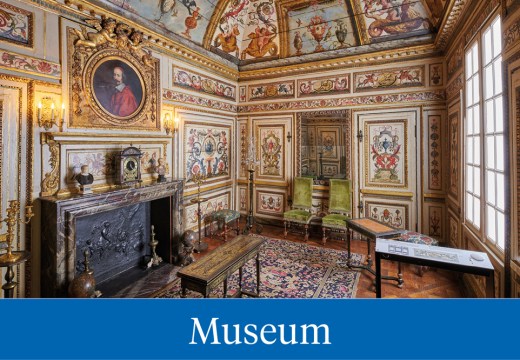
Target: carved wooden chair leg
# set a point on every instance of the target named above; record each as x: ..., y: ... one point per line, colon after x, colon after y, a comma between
x: 400, y: 280
x: 324, y: 239
x: 285, y: 229
x: 306, y: 232
x: 237, y: 224
x: 225, y: 230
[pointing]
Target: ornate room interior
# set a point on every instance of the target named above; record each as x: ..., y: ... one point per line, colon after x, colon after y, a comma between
x: 125, y: 124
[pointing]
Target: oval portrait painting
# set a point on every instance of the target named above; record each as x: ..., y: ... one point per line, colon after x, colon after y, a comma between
x: 118, y: 88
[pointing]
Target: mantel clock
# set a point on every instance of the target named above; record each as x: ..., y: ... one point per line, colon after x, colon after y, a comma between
x: 128, y: 166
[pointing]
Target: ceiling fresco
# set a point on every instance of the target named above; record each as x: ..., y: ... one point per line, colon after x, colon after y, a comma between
x: 255, y: 31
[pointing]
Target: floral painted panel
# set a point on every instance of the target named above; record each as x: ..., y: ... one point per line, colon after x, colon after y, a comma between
x: 454, y: 231
x: 391, y: 20
x: 213, y: 204
x: 271, y: 150
x: 330, y: 85
x: 392, y: 78
x: 386, y: 149
x: 395, y: 215
x: 248, y: 29
x: 434, y: 153
x: 316, y: 26
x: 435, y: 222
x: 243, y: 149
x: 16, y: 25
x: 329, y: 142
x: 271, y: 91
x: 243, y: 207
x: 187, y: 18
x: 194, y: 81
x: 453, y: 136
x: 242, y: 96
x: 270, y: 203
x: 207, y: 151
x: 27, y: 64
x: 199, y: 101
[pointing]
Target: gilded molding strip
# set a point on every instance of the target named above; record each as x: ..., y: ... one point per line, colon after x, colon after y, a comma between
x: 387, y: 193
x: 64, y: 135
x: 209, y: 188
x: 434, y: 196
x: 382, y: 99
x: 29, y: 65
x: 51, y: 181
x: 196, y: 100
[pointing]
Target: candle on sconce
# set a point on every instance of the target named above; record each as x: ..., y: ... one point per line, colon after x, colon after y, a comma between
x: 39, y: 110
x: 52, y: 112
x: 63, y: 111
x: 176, y: 124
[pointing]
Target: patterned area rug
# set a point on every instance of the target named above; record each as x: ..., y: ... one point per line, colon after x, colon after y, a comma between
x: 290, y: 270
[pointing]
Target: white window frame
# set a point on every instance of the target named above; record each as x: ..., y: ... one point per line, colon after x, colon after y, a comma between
x: 484, y: 197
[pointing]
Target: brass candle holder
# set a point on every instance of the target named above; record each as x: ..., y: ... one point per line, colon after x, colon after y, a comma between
x: 156, y: 259
x: 199, y: 180
x: 11, y: 258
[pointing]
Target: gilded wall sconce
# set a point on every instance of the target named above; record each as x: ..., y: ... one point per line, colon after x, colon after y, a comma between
x: 47, y: 114
x: 171, y: 125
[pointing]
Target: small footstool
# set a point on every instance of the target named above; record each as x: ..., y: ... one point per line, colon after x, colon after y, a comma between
x: 417, y: 238
x: 223, y: 218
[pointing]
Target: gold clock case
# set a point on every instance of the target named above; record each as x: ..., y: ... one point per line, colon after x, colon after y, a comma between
x: 128, y: 166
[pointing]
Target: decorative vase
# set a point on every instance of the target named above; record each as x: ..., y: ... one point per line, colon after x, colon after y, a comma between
x: 341, y: 34
x: 83, y: 285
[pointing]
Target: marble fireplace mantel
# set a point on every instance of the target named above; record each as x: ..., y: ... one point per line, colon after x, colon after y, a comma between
x: 60, y: 214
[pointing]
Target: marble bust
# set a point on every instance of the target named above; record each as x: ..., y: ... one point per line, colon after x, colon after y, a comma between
x: 160, y: 169
x: 85, y: 179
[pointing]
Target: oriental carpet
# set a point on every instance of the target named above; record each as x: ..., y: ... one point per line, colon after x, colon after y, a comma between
x: 290, y: 270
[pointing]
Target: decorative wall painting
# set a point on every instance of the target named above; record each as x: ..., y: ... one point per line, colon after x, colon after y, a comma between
x: 207, y: 151
x: 436, y: 75
x: 453, y: 137
x: 391, y: 78
x: 435, y: 153
x: 213, y: 204
x: 270, y: 203
x: 387, y: 143
x: 271, y: 148
x: 194, y: 81
x: 330, y: 85
x: 16, y: 25
x: 395, y: 215
x: 279, y: 90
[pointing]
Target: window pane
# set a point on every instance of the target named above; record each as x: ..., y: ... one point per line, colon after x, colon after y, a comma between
x: 469, y: 150
x: 469, y: 178
x: 476, y: 181
x: 498, y: 77
x: 490, y: 188
x: 469, y: 65
x: 490, y: 152
x: 488, y: 51
x: 497, y: 41
x: 474, y: 59
x: 499, y: 115
x: 488, y: 85
x: 500, y: 192
x: 469, y: 207
x: 501, y: 230
x: 476, y: 119
x: 476, y: 94
x: 469, y: 93
x: 500, y: 152
x: 476, y: 151
x: 490, y: 223
x: 469, y: 121
x: 476, y: 212
x: 490, y: 112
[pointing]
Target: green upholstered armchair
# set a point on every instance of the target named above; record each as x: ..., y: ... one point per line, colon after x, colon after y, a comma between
x: 301, y: 207
x: 340, y: 208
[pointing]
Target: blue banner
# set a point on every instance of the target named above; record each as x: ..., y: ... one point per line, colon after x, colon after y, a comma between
x: 259, y: 329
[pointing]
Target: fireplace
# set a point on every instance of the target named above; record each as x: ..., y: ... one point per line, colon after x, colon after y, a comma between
x: 114, y: 228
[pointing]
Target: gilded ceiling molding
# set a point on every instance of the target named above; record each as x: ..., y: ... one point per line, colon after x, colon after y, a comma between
x: 376, y: 58
x: 454, y: 13
x: 160, y: 43
x: 215, y: 104
x: 382, y: 99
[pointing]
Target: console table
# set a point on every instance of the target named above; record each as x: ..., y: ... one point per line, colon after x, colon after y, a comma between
x: 471, y: 262
x: 371, y: 230
x: 63, y: 217
x: 215, y: 268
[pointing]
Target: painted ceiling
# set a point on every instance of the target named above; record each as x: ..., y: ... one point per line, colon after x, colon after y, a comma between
x: 255, y: 31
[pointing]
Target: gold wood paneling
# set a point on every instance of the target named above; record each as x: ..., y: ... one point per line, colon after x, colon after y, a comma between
x: 209, y: 188
x: 387, y: 193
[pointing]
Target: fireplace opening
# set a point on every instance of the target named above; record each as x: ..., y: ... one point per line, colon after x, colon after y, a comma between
x: 116, y: 241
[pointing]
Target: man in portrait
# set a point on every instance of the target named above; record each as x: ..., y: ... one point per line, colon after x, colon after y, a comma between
x: 123, y: 102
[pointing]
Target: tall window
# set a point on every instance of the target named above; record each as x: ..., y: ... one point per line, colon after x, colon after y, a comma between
x: 484, y: 157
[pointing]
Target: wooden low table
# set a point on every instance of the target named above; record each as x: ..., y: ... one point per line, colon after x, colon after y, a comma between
x: 214, y: 269
x: 371, y: 230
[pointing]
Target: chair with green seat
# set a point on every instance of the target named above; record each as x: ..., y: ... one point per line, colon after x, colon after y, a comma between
x: 340, y: 208
x: 301, y: 206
